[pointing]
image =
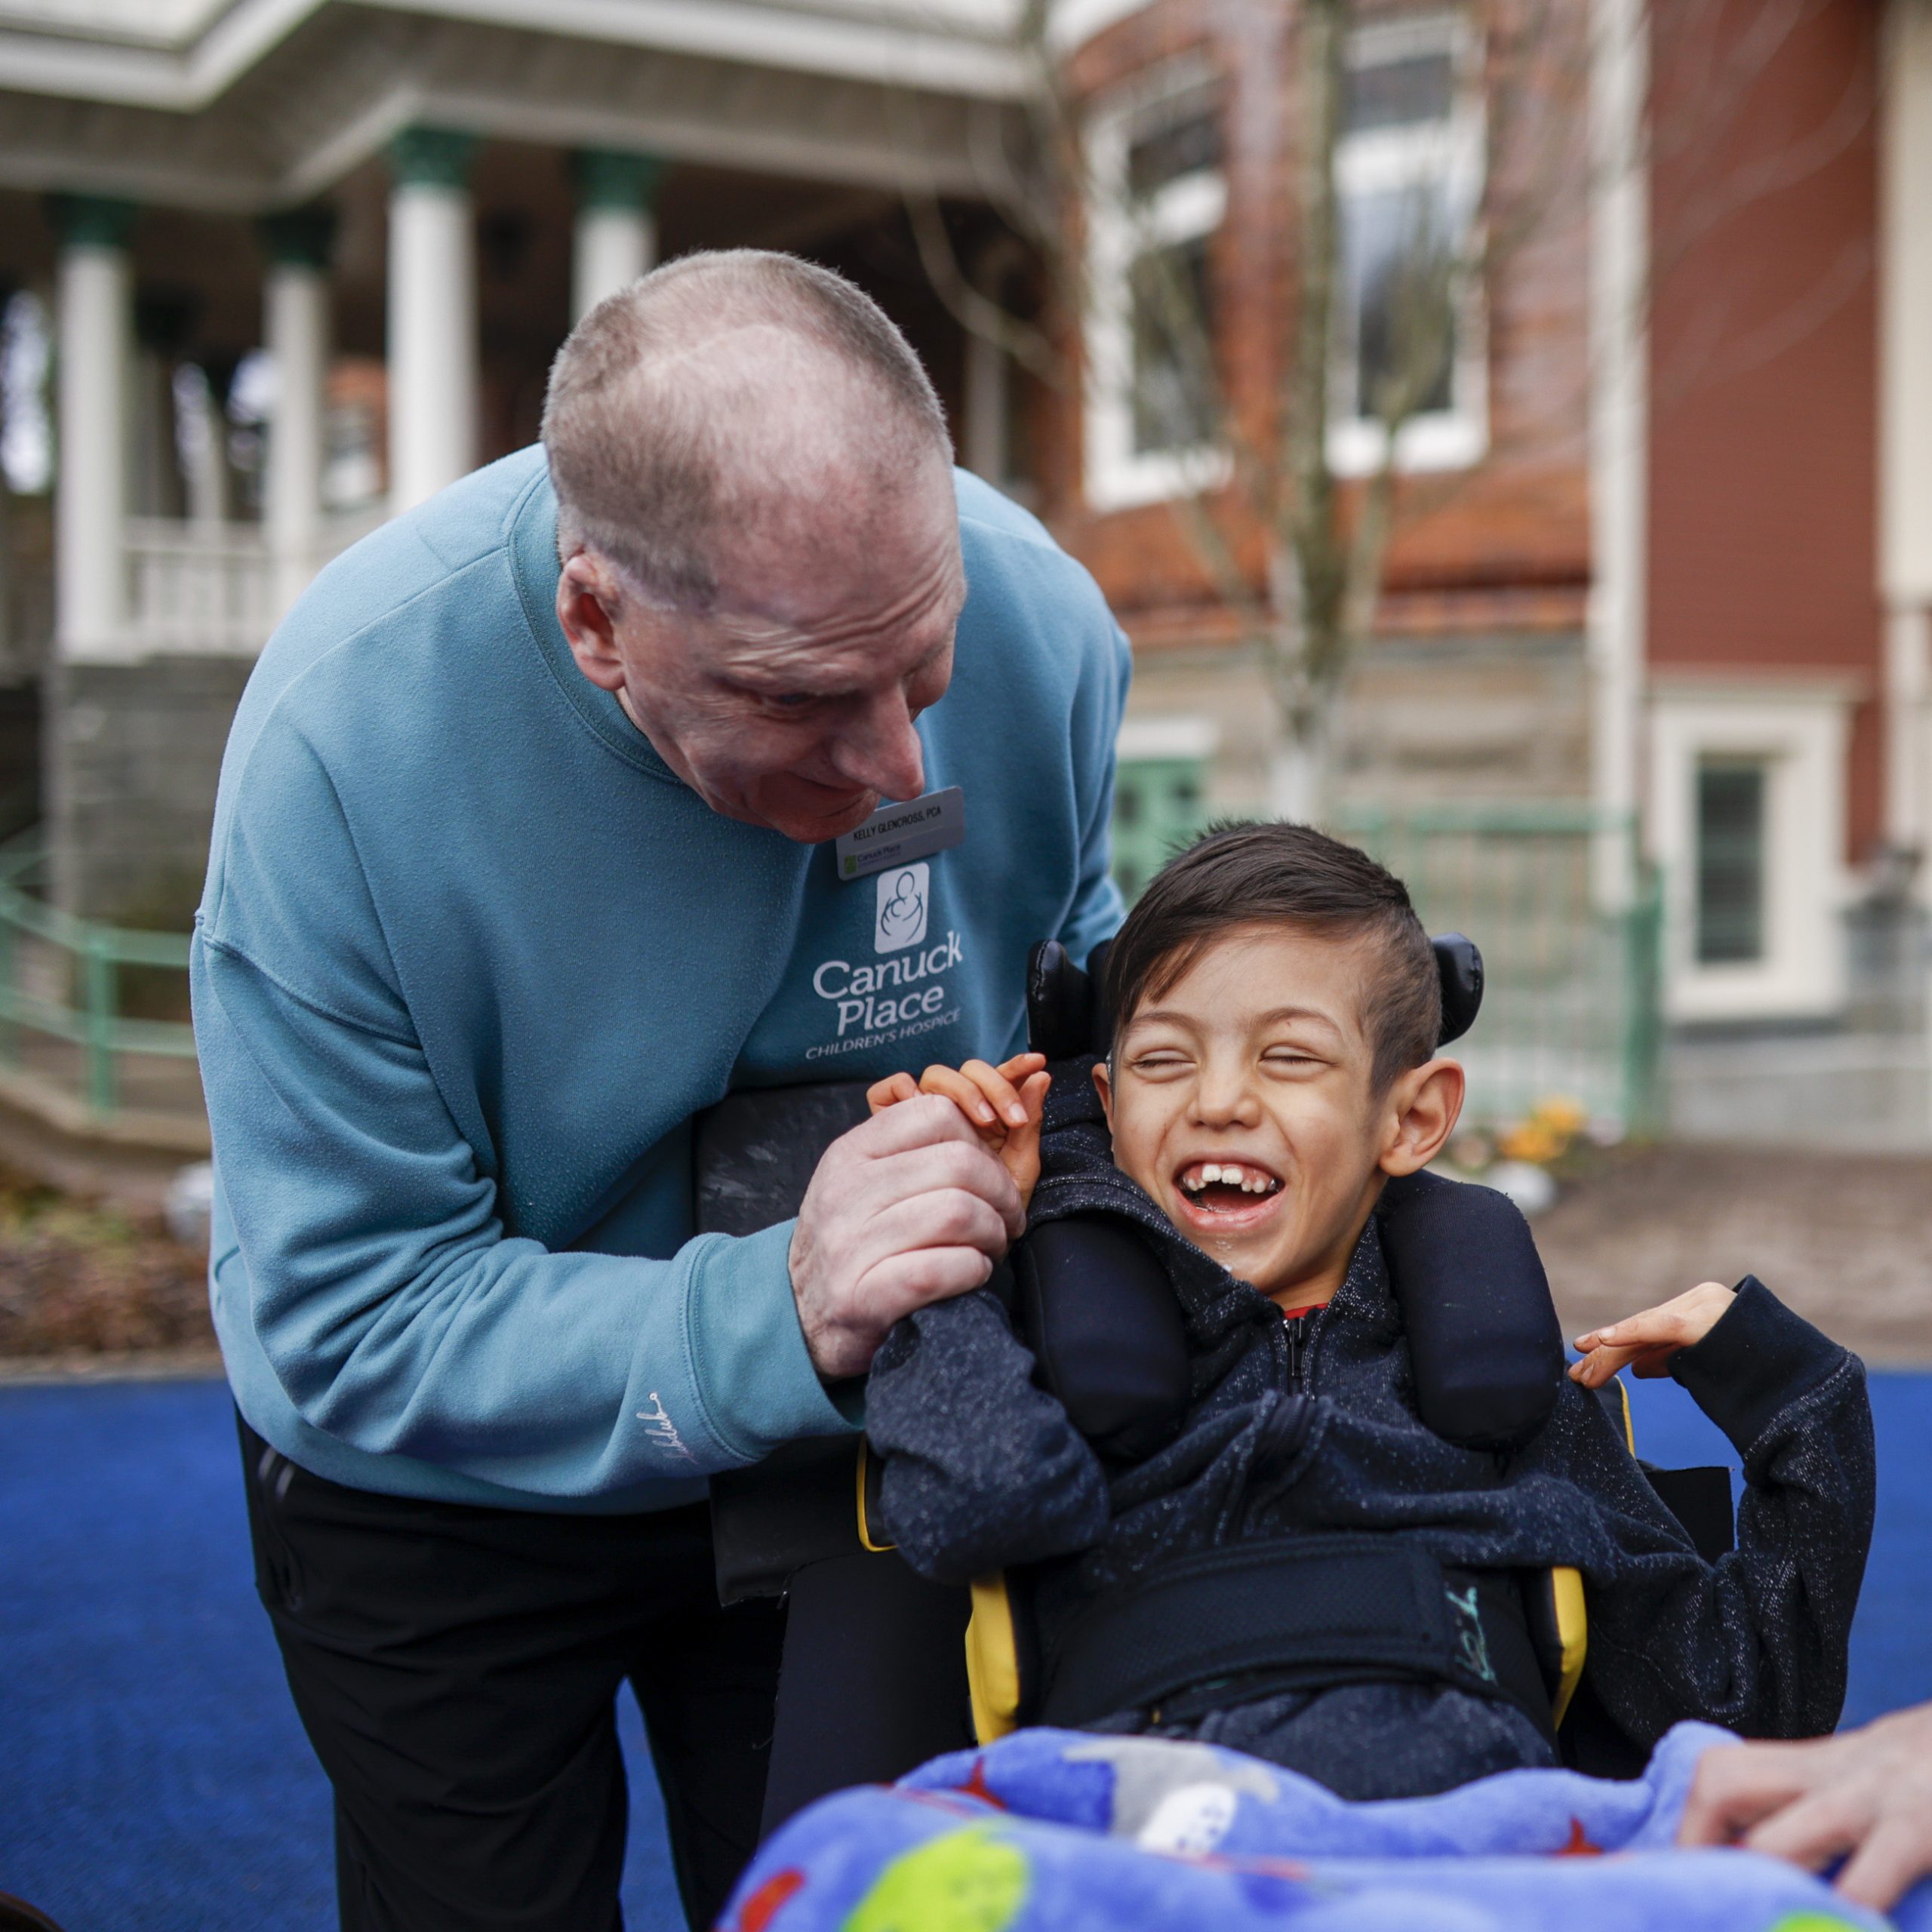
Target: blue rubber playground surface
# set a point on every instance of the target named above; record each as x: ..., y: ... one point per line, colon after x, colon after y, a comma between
x: 153, y: 1777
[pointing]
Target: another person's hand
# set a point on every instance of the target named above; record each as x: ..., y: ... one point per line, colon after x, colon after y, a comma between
x: 1645, y: 1343
x: 906, y: 1209
x: 1004, y: 1105
x: 1865, y: 1796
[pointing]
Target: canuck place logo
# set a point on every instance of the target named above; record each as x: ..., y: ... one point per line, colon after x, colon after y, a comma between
x: 900, y: 993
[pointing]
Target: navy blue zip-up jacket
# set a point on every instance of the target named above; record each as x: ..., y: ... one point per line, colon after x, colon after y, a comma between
x: 1312, y: 1425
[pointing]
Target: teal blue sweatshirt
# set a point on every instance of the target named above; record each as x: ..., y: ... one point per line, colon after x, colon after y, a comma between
x: 470, y: 957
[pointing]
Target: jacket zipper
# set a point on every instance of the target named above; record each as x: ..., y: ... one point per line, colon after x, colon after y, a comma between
x: 1297, y: 1330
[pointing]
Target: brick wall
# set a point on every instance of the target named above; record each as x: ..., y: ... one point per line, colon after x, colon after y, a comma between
x: 134, y: 752
x: 1487, y: 573
x: 1763, y: 465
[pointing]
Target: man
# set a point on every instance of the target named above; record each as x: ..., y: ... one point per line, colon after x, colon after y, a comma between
x: 524, y: 855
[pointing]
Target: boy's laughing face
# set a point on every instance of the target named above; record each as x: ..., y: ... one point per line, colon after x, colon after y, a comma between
x: 1241, y: 1099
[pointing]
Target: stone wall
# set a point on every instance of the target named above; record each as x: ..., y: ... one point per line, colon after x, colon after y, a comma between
x: 1483, y: 718
x: 133, y: 753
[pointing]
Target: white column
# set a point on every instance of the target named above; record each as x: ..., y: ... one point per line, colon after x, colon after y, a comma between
x: 1619, y: 439
x: 616, y: 239
x: 983, y: 427
x: 432, y: 359
x: 1905, y: 430
x: 295, y: 329
x: 90, y: 493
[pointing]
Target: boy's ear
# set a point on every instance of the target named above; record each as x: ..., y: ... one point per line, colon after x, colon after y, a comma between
x: 1423, y: 1106
x: 1103, y: 1085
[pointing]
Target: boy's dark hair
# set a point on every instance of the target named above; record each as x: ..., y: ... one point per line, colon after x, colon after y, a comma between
x: 1240, y: 873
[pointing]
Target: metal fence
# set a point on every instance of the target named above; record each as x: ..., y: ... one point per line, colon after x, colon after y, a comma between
x: 1572, y: 1005
x: 93, y: 1019
x: 1572, y: 1008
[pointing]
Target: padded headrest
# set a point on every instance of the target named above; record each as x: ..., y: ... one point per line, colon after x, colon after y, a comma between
x: 1064, y: 1018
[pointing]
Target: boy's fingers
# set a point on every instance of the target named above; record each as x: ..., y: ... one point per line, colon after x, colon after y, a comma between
x: 889, y: 1091
x: 1021, y: 1065
x: 1000, y: 1092
x: 1600, y: 1364
x: 953, y: 1083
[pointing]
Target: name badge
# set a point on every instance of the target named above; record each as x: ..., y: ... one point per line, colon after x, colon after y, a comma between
x: 896, y: 833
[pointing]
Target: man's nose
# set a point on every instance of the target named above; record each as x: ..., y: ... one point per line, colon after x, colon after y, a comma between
x: 881, y: 751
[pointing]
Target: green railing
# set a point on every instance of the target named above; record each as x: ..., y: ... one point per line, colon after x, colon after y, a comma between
x: 1572, y: 1001
x: 67, y: 1041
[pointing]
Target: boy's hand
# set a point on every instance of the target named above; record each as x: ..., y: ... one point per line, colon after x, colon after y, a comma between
x: 1003, y: 1104
x: 1645, y: 1343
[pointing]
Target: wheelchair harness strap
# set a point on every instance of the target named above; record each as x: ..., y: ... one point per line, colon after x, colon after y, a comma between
x: 1300, y: 1613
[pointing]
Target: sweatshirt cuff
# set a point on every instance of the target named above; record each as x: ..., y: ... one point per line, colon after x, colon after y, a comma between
x: 754, y: 1376
x: 1758, y: 1360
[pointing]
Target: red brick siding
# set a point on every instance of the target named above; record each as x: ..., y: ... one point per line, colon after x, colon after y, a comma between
x: 1521, y: 518
x: 1763, y: 460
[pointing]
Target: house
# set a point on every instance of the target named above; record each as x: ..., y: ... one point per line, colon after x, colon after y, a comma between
x: 1662, y: 563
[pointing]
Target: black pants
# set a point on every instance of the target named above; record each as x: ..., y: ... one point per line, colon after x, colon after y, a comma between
x: 457, y: 1670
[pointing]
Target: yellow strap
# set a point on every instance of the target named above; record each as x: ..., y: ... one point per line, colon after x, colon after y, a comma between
x: 1629, y: 1428
x: 865, y: 1532
x: 992, y: 1661
x: 1573, y: 1634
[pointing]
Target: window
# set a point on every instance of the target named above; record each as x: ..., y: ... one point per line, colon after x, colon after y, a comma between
x: 1408, y: 173
x: 1747, y: 818
x: 1730, y: 861
x: 1153, y: 399
x: 1160, y: 803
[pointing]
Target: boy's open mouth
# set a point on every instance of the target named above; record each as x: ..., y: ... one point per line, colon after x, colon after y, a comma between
x: 1225, y: 1190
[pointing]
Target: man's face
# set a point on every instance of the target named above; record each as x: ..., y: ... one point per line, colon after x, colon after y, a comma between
x: 1240, y: 1099
x: 790, y: 704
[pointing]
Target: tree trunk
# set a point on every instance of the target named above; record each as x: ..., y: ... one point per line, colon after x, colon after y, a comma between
x: 1298, y: 771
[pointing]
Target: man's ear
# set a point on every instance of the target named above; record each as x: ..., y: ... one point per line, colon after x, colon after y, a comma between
x: 588, y: 600
x: 1423, y: 1108
x: 1103, y: 1085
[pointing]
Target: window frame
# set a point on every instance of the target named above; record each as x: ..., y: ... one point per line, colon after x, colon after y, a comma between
x: 1192, y: 207
x: 1800, y: 731
x: 1457, y: 438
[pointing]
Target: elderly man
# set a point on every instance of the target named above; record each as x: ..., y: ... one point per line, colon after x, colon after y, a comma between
x: 544, y: 824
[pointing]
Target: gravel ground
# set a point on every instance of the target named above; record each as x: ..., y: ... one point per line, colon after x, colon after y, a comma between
x: 1846, y: 1239
x: 81, y: 1282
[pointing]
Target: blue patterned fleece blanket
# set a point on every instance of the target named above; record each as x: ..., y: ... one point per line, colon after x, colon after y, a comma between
x: 1056, y: 1831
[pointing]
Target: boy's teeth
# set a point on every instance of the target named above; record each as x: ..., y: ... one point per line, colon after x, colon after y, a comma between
x: 1228, y: 1174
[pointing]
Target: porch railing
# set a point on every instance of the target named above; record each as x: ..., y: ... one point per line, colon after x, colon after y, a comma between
x: 94, y: 1035
x: 218, y: 588
x: 199, y: 588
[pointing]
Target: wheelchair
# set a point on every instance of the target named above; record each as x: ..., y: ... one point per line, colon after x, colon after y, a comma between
x: 882, y: 1668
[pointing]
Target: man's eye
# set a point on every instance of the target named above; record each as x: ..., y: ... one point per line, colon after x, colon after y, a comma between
x: 788, y: 700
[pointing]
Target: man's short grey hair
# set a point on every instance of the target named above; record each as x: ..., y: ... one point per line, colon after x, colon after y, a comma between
x: 647, y: 456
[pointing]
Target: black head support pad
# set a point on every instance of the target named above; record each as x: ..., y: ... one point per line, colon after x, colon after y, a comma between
x: 1066, y: 1017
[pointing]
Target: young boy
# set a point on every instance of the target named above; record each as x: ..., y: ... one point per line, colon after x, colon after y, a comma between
x: 1276, y: 1010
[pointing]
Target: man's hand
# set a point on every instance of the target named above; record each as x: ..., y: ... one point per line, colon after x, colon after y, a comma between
x: 1650, y: 1340
x: 1004, y: 1105
x: 907, y: 1209
x: 1867, y: 1794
